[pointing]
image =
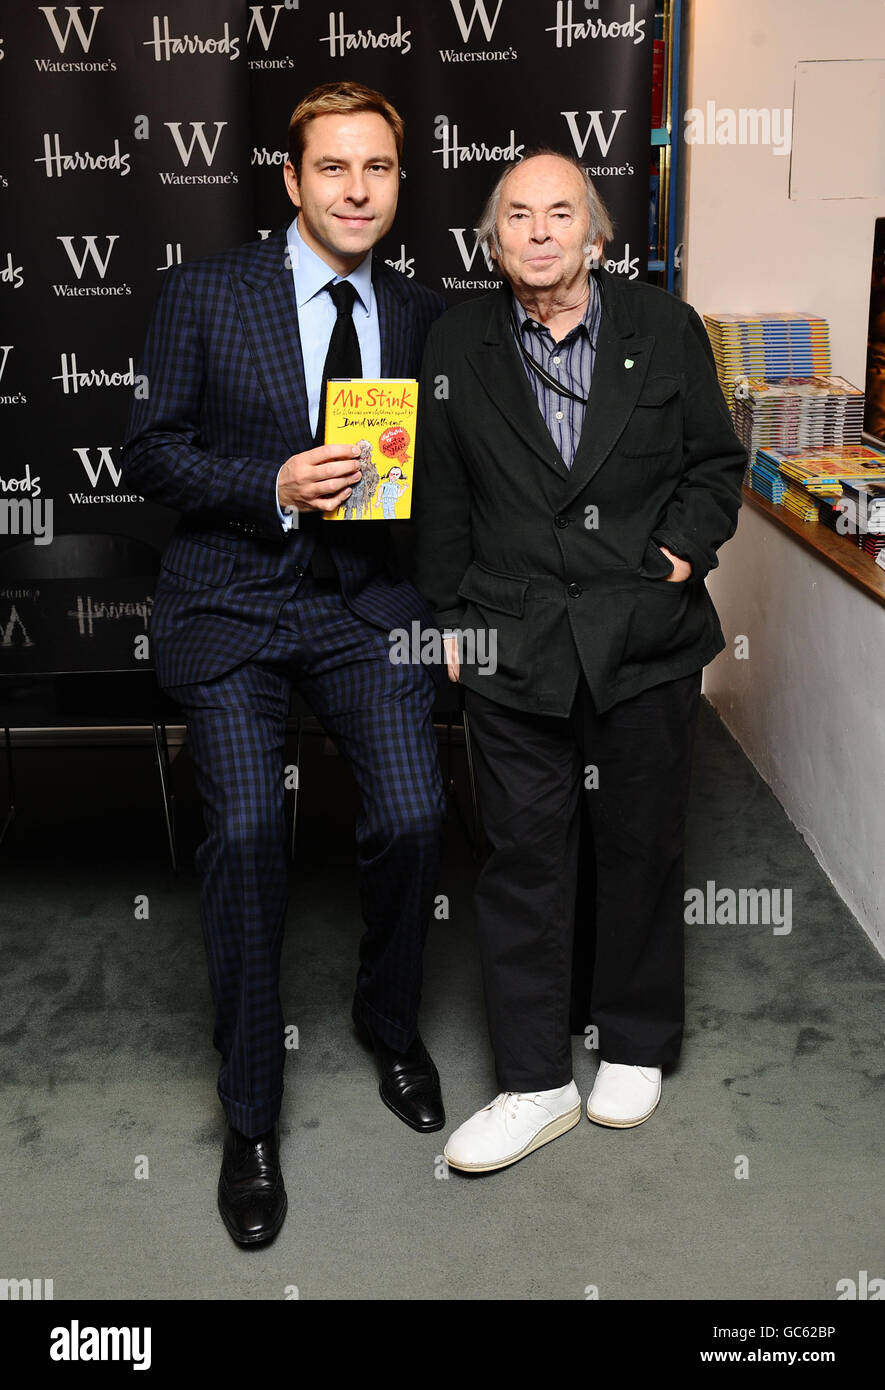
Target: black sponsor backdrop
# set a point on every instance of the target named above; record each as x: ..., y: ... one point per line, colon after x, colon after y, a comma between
x: 123, y: 150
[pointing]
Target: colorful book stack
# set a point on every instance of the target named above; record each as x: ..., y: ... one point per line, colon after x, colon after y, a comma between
x: 798, y: 412
x: 863, y: 514
x: 764, y: 477
x: 850, y: 478
x: 799, y: 502
x: 771, y: 346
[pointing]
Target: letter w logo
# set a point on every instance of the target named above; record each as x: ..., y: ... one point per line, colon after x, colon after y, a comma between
x: 595, y: 126
x: 105, y: 460
x: 265, y: 33
x: 91, y: 253
x: 6, y: 349
x: 468, y: 257
x: 198, y: 137
x: 74, y: 22
x: 479, y: 8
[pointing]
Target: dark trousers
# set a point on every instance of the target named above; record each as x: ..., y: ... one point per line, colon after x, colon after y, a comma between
x: 379, y: 716
x: 632, y: 764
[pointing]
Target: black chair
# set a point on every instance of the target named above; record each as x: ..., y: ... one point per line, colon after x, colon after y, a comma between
x: 448, y: 711
x: 66, y: 694
x: 50, y: 683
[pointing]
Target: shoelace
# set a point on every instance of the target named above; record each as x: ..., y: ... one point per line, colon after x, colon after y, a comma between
x: 514, y: 1098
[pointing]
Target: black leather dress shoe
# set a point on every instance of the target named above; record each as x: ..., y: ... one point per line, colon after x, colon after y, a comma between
x: 409, y: 1081
x: 251, y: 1196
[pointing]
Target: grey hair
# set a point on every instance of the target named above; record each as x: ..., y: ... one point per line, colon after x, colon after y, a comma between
x: 600, y: 221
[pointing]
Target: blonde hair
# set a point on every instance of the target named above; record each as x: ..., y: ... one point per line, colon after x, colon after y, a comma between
x: 339, y: 99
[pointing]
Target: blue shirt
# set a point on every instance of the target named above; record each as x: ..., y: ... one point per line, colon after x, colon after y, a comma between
x: 569, y: 362
x: 316, y: 318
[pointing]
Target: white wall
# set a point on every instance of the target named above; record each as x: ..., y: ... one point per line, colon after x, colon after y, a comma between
x: 807, y: 706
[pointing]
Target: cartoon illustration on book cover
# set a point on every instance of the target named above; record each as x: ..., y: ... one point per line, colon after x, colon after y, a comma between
x: 379, y: 416
x: 357, y: 504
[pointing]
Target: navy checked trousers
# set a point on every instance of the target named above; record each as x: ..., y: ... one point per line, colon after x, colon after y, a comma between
x: 380, y: 717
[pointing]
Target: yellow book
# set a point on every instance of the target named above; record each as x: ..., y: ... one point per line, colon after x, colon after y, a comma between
x: 380, y: 415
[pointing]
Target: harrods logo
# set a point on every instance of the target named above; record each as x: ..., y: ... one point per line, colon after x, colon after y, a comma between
x: 167, y: 46
x: 262, y: 155
x: 75, y: 378
x: 342, y: 40
x: 31, y: 483
x: 12, y: 274
x: 568, y: 30
x: 59, y: 163
x: 89, y: 612
x: 78, y: 27
x: 403, y: 263
x: 454, y: 153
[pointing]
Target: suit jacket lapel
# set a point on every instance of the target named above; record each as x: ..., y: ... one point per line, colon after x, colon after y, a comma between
x: 265, y: 295
x: 395, y: 324
x: 501, y: 373
x: 615, y: 387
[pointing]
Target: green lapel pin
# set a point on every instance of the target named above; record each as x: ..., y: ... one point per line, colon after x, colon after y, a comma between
x: 628, y: 361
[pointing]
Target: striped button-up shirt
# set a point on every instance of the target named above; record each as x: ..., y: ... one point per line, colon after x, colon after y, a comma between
x: 569, y: 362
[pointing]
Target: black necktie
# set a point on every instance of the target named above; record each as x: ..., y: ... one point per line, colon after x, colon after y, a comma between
x: 343, y: 357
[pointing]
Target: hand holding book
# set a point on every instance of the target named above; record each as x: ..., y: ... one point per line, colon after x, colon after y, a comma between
x: 319, y: 480
x: 376, y: 417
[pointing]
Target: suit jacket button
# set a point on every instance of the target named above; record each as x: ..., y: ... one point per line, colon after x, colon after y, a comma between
x: 574, y: 590
x: 299, y: 571
x: 560, y: 521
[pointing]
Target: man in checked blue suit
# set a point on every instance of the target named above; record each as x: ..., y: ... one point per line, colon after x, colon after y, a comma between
x: 256, y: 594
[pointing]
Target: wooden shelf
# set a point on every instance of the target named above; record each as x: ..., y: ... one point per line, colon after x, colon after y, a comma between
x: 839, y: 552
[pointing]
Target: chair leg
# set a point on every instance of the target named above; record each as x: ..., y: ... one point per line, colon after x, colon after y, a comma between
x: 450, y: 779
x: 161, y: 748
x: 10, y: 774
x: 474, y: 805
x: 297, y: 781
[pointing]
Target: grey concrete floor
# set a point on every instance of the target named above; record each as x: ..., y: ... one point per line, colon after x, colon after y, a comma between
x: 108, y: 1071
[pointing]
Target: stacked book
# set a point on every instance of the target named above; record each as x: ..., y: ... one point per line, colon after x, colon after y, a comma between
x: 872, y: 545
x: 798, y: 412
x: 863, y: 505
x: 799, y: 502
x: 850, y: 479
x: 764, y: 477
x: 770, y: 346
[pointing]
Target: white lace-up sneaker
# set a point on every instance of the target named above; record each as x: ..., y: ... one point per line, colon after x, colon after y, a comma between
x: 623, y: 1096
x: 513, y: 1125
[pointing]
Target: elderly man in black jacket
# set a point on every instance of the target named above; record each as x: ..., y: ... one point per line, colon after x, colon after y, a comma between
x: 578, y: 473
